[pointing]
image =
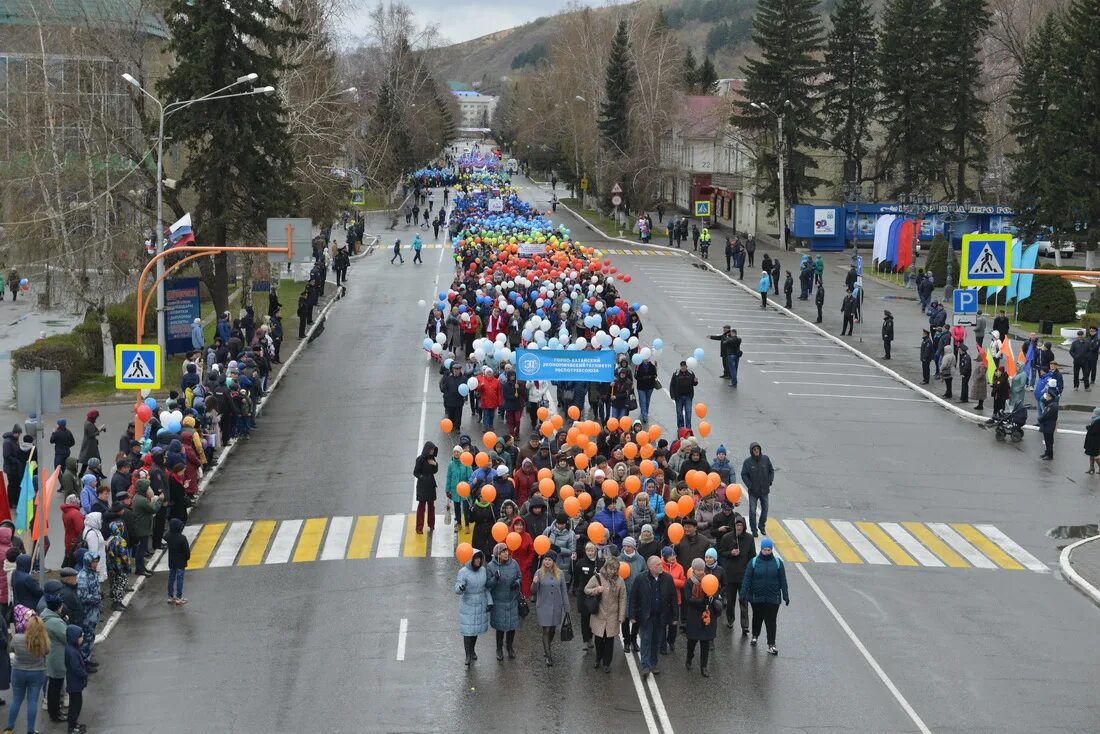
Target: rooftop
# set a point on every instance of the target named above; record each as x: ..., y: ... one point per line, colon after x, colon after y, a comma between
x: 98, y: 14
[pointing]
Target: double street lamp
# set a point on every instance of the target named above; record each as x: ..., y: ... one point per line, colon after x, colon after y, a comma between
x: 781, y: 155
x: 166, y: 110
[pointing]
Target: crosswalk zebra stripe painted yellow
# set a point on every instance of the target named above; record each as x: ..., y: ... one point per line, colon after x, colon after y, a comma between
x: 205, y: 544
x: 256, y: 546
x: 814, y: 548
x: 362, y: 540
x: 416, y: 545
x: 836, y: 544
x: 863, y: 546
x: 231, y: 544
x: 309, y: 542
x: 937, y: 546
x: 1013, y: 548
x: 879, y: 537
x: 987, y: 547
x: 787, y: 548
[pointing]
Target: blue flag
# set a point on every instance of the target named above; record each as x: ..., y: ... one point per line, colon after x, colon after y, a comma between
x: 24, y: 508
x: 1023, y: 288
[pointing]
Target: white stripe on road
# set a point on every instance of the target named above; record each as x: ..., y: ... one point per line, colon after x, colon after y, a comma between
x: 402, y: 633
x: 190, y: 532
x: 231, y: 544
x: 283, y: 544
x: 837, y: 384
x: 909, y: 710
x: 863, y: 546
x: 956, y: 541
x: 853, y: 397
x: 339, y: 528
x: 1012, y: 548
x: 442, y: 541
x: 659, y: 705
x: 853, y: 365
x: 796, y: 346
x: 639, y: 690
x: 832, y: 374
x: 815, y: 549
x: 911, y: 545
x: 423, y: 417
x: 389, y: 539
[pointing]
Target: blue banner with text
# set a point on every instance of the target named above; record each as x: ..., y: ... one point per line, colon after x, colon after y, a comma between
x: 565, y: 364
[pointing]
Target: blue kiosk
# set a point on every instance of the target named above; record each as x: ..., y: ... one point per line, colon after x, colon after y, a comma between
x: 834, y: 228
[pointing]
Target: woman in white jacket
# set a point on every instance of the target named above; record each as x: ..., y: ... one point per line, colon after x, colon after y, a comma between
x: 93, y: 536
x: 537, y: 391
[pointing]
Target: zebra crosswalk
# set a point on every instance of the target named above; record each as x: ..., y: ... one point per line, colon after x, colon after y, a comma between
x: 654, y: 252
x: 798, y: 540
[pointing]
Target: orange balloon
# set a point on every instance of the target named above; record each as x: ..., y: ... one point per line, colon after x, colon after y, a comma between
x: 543, y: 412
x: 541, y: 544
x: 490, y: 440
x: 597, y: 533
x: 590, y: 449
x: 647, y: 467
x: 482, y: 460
x: 698, y: 480
x: 546, y: 487
x: 654, y: 432
x: 463, y: 489
x: 513, y: 540
x: 557, y: 421
x: 545, y: 473
x: 572, y: 434
x: 709, y: 584
x: 624, y: 571
x: 446, y: 425
x: 583, y: 440
x: 466, y: 458
x: 689, y: 478
x: 592, y: 428
x: 567, y: 491
x: 672, y: 510
x: 612, y: 424
x: 704, y: 429
x: 585, y: 500
x: 574, y: 412
x: 464, y: 552
x: 500, y: 532
x: 642, y: 437
x: 675, y: 531
x: 733, y: 493
x: 581, y: 461
x: 572, y: 506
x: 630, y: 449
x: 488, y: 493
x: 686, y: 504
x: 713, y: 480
x: 646, y: 451
x: 633, y: 484
x: 610, y: 488
x: 547, y: 429
x: 701, y: 410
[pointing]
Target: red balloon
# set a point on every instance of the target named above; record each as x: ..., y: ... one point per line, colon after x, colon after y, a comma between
x: 144, y: 412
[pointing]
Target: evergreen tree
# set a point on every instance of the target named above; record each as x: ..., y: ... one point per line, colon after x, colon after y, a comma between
x: 708, y: 78
x: 789, y: 36
x: 239, y: 160
x: 850, y: 97
x: 614, y: 122
x: 691, y: 72
x: 910, y: 89
x: 961, y: 25
x: 1078, y: 114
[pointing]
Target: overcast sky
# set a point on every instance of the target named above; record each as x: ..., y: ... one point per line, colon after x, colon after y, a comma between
x: 461, y: 20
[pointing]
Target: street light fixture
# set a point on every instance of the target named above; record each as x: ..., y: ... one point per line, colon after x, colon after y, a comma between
x: 167, y: 110
x: 780, y: 150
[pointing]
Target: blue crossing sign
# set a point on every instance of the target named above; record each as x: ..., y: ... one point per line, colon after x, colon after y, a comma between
x: 137, y: 366
x: 986, y: 259
x: 966, y: 300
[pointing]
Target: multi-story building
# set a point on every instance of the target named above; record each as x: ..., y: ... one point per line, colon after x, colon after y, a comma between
x: 476, y: 108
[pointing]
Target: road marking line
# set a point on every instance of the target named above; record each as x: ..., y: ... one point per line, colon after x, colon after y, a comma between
x: 231, y: 544
x: 937, y: 546
x: 338, y: 530
x: 205, y: 544
x: 786, y: 546
x: 363, y: 537
x: 956, y: 541
x: 639, y: 689
x: 817, y: 364
x: 861, y: 544
x: 423, y: 416
x: 659, y: 705
x: 838, y: 384
x: 854, y: 397
x: 284, y: 542
x: 986, y: 546
x: 830, y: 374
x: 794, y: 354
x: 190, y: 532
x: 416, y: 546
x: 1014, y: 549
x: 310, y: 540
x: 888, y: 546
x: 442, y: 541
x: 805, y: 537
x: 253, y: 553
x: 389, y: 539
x: 402, y: 633
x: 831, y: 538
x: 921, y: 726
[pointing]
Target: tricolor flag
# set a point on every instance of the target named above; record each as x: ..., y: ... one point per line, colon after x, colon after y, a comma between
x: 180, y: 234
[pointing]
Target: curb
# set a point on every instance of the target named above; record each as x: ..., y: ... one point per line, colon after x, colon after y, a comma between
x: 1075, y: 578
x: 113, y: 620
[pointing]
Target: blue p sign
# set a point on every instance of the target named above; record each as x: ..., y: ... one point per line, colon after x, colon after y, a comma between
x: 966, y: 300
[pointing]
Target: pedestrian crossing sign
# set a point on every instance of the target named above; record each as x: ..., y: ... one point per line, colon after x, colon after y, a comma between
x: 137, y: 366
x: 987, y: 259
x: 702, y: 208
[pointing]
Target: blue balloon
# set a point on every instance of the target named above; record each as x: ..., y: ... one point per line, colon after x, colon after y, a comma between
x: 637, y: 359
x: 428, y: 343
x: 442, y: 296
x: 698, y: 354
x: 462, y: 308
x: 463, y: 390
x: 585, y: 308
x: 174, y: 427
x: 658, y: 344
x: 152, y: 403
x: 634, y: 306
x: 624, y: 333
x: 447, y: 364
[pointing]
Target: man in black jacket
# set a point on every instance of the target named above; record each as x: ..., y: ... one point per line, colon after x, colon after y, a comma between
x: 723, y: 347
x: 681, y: 387
x: 819, y: 300
x: 452, y: 398
x: 966, y: 368
x: 757, y: 474
x: 848, y: 310
x: 887, y: 332
x: 653, y: 600
x: 1000, y: 323
x: 927, y: 354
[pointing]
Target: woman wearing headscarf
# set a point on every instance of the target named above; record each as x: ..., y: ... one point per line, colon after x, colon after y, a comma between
x: 649, y: 544
x: 700, y: 616
x: 524, y: 555
x: 29, y: 646
x: 1092, y: 441
x: 118, y: 563
x: 482, y: 515
x: 641, y: 514
x: 609, y: 617
x: 91, y: 597
x: 425, y: 470
x: 504, y: 584
x: 471, y: 585
x: 551, y: 603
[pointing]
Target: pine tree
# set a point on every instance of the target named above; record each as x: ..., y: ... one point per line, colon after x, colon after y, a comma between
x: 239, y: 160
x: 708, y: 77
x: 789, y: 36
x: 1078, y: 114
x: 850, y: 97
x: 909, y: 108
x: 961, y: 26
x: 614, y: 122
x: 691, y: 72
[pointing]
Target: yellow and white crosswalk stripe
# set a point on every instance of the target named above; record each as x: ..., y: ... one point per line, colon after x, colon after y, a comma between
x: 809, y: 540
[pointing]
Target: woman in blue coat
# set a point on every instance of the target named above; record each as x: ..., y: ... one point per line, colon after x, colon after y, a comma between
x: 764, y: 586
x: 504, y: 583
x: 472, y: 586
x: 764, y: 286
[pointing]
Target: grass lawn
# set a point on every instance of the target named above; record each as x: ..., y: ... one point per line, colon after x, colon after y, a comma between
x: 375, y: 202
x: 604, y: 224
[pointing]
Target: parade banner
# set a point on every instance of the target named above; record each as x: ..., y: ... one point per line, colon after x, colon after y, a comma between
x: 565, y: 364
x: 181, y: 308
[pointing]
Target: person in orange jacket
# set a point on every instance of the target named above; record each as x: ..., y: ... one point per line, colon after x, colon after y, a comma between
x: 490, y: 396
x: 672, y: 567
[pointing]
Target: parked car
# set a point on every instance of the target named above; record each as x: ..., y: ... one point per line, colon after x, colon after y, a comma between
x: 1046, y: 249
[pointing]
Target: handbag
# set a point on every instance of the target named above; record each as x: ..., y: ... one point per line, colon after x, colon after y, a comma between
x: 591, y: 604
x: 567, y: 628
x: 632, y: 403
x: 717, y: 606
x: 524, y: 608
x: 657, y: 383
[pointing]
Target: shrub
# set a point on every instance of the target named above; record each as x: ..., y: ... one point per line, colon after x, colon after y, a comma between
x: 937, y: 262
x: 1090, y: 319
x: 1052, y: 299
x: 67, y: 353
x: 1094, y: 301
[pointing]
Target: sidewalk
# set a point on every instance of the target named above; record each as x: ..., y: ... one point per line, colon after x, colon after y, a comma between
x: 1081, y: 566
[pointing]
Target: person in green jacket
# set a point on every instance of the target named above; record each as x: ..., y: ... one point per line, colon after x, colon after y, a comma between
x: 55, y: 659
x: 458, y: 472
x: 819, y: 271
x: 70, y: 483
x: 145, y: 508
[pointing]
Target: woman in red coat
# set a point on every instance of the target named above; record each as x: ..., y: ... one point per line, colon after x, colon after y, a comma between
x: 524, y: 480
x: 524, y: 555
x: 489, y: 395
x: 191, y: 469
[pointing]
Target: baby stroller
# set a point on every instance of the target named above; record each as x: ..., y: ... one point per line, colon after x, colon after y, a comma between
x: 1011, y: 425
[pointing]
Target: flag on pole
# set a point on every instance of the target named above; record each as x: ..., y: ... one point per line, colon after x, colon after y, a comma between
x: 1030, y: 356
x: 43, y: 501
x: 1010, y: 358
x: 991, y: 364
x: 180, y: 233
x: 24, y: 508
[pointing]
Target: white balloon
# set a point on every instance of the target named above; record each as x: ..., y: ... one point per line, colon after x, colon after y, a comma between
x: 546, y: 324
x: 479, y: 355
x: 614, y: 330
x: 501, y: 338
x: 441, y: 338
x: 437, y: 349
x: 165, y: 417
x: 565, y: 308
x: 471, y: 383
x: 581, y: 342
x: 643, y: 309
x: 632, y: 342
x: 646, y: 352
x: 540, y: 335
x: 422, y: 303
x: 511, y: 309
x: 692, y: 363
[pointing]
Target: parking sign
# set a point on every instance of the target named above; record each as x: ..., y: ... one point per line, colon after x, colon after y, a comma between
x: 966, y: 300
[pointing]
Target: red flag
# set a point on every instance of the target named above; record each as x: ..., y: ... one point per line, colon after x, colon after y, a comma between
x: 42, y: 502
x: 5, y: 509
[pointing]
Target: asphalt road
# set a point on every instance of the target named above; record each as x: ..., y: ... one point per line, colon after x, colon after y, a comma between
x: 865, y: 647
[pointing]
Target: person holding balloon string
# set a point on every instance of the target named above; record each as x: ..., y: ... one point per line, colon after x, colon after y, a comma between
x: 702, y: 606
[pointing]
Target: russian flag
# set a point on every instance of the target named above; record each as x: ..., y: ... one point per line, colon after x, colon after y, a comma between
x: 180, y: 233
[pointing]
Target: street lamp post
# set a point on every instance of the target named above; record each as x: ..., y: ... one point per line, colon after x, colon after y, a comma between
x: 576, y: 151
x: 950, y: 220
x: 165, y: 111
x: 781, y: 150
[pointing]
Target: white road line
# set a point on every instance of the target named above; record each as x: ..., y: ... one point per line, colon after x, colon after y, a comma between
x: 283, y: 544
x: 815, y: 549
x: 816, y: 364
x: 910, y: 712
x: 956, y: 541
x: 911, y: 545
x: 389, y: 538
x: 423, y: 417
x: 442, y: 541
x: 659, y: 705
x: 339, y: 528
x: 853, y: 397
x: 231, y: 544
x: 795, y: 346
x: 857, y: 540
x: 402, y: 633
x: 190, y: 532
x: 1012, y: 548
x: 837, y: 384
x: 639, y: 689
x: 830, y: 374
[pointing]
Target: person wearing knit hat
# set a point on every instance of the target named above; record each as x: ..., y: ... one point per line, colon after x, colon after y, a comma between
x: 765, y: 586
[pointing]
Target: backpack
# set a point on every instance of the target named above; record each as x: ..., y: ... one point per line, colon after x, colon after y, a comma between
x: 778, y: 560
x: 70, y: 552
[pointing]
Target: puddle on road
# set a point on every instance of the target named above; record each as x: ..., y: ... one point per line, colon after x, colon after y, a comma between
x: 899, y: 298
x: 1071, y: 532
